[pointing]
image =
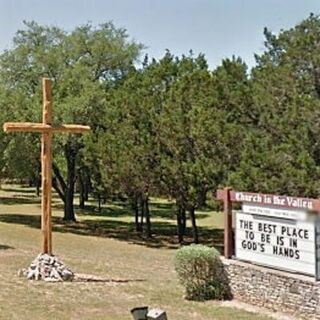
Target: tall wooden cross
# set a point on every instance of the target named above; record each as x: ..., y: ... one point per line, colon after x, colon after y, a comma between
x: 47, y: 129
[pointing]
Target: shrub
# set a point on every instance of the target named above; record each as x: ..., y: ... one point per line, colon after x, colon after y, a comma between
x: 201, y: 272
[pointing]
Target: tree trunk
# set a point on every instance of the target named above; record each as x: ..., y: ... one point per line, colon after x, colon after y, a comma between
x: 181, y: 220
x: 99, y: 202
x: 184, y: 219
x: 81, y: 190
x: 147, y: 214
x: 136, y: 217
x: 65, y: 188
x: 202, y: 197
x: 70, y: 154
x: 179, y: 226
x: 38, y: 185
x: 87, y: 186
x: 135, y: 207
x: 194, y: 225
x: 68, y: 205
x: 142, y: 214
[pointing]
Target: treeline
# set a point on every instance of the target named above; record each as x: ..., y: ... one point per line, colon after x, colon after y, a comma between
x: 170, y: 127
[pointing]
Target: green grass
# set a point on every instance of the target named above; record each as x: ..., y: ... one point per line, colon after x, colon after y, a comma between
x: 133, y: 271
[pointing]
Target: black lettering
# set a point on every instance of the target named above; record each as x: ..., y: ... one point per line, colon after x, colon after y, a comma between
x: 293, y: 243
x: 246, y: 224
x: 280, y: 241
x: 268, y: 238
x: 295, y: 233
x: 286, y: 252
x: 267, y: 228
x: 249, y: 235
x: 275, y: 250
x: 249, y: 245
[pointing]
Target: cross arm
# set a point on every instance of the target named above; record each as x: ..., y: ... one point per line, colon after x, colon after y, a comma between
x: 71, y: 128
x: 42, y: 128
x: 26, y: 127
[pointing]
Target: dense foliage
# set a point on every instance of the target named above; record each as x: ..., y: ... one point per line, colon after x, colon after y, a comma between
x: 170, y: 127
x: 83, y: 64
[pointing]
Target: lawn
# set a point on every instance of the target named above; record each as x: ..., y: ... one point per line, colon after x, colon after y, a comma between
x: 130, y: 271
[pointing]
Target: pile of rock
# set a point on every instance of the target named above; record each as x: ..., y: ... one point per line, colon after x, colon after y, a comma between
x: 48, y: 268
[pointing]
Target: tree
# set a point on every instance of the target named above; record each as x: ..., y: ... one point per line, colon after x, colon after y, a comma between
x: 126, y: 150
x: 84, y: 64
x: 281, y: 152
x: 197, y: 129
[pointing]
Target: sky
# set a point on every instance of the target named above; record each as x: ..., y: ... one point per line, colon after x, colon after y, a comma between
x: 217, y: 28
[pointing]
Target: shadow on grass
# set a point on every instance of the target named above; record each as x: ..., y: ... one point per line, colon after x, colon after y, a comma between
x: 21, y: 189
x: 114, y: 211
x: 5, y: 247
x: 20, y: 200
x: 121, y: 209
x: 92, y: 278
x: 164, y: 233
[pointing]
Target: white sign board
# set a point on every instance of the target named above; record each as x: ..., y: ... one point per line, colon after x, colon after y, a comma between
x: 279, y: 238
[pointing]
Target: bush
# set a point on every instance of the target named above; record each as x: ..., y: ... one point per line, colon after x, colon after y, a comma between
x: 201, y: 272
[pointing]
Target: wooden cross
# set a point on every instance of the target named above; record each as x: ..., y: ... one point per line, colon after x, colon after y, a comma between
x: 47, y: 129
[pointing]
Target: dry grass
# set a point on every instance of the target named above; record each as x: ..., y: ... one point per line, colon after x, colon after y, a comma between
x: 133, y: 271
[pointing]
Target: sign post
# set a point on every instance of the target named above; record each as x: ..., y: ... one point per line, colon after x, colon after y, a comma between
x: 228, y: 233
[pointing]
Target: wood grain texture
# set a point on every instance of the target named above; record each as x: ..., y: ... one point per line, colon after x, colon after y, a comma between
x: 43, y: 128
x: 46, y: 169
x: 228, y: 232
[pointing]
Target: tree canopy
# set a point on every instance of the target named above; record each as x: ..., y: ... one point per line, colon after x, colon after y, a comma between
x: 171, y: 127
x: 83, y: 65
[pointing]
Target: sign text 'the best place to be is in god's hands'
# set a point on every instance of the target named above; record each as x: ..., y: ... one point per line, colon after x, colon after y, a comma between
x: 277, y: 231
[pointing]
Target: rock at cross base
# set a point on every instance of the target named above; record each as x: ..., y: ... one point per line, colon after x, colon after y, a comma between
x: 47, y: 268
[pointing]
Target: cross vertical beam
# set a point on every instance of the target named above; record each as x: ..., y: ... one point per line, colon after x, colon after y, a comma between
x: 46, y: 167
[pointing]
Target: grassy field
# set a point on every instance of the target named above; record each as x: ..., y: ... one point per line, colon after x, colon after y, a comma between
x: 133, y: 272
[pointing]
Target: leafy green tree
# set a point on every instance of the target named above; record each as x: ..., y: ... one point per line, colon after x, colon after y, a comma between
x: 126, y: 150
x: 11, y: 165
x: 173, y: 135
x: 281, y: 153
x: 197, y: 130
x: 84, y: 64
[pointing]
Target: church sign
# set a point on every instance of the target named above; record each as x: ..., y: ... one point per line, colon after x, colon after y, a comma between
x: 281, y: 232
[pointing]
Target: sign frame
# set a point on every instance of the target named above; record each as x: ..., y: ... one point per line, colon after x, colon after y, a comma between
x: 274, y: 203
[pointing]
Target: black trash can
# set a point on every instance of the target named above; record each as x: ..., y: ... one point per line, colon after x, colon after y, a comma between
x: 139, y: 313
